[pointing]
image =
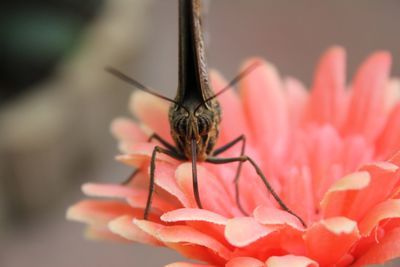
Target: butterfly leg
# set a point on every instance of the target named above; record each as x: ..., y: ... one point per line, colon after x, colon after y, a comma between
x: 157, y: 149
x: 261, y: 175
x: 222, y: 149
x: 163, y: 142
x: 130, y: 177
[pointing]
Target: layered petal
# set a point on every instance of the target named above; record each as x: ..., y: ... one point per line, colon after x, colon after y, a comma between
x: 387, y: 249
x: 124, y: 227
x: 330, y: 240
x: 241, y: 232
x: 127, y: 132
x: 188, y: 241
x: 234, y: 122
x: 331, y: 155
x: 388, y: 142
x: 366, y: 110
x: 291, y: 260
x: 245, y: 261
x: 149, y: 110
x: 266, y: 109
x: 326, y: 103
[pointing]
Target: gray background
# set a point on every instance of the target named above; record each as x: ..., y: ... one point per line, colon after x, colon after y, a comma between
x: 291, y: 34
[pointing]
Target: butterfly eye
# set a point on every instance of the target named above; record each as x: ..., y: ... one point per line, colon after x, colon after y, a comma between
x: 180, y: 126
x: 204, y: 125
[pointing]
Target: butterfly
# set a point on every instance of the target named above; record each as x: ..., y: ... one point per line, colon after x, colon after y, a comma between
x: 195, y: 113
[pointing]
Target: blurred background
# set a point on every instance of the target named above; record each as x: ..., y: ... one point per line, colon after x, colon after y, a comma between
x: 56, y: 102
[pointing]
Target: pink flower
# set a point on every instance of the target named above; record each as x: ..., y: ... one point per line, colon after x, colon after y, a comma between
x: 330, y: 153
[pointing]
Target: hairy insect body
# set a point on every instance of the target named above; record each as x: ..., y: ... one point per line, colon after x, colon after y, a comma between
x: 200, y: 125
x: 195, y: 114
x: 195, y: 117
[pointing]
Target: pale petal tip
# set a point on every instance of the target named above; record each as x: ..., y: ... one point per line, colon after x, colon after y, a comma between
x: 193, y: 214
x: 259, y: 61
x: 135, y: 98
x: 123, y: 158
x: 253, y: 60
x: 243, y: 231
x: 85, y: 188
x: 215, y: 74
x: 353, y: 181
x: 116, y: 226
x: 291, y: 260
x: 337, y: 50
x: 340, y: 225
x: 73, y: 214
x: 116, y: 125
x: 381, y: 57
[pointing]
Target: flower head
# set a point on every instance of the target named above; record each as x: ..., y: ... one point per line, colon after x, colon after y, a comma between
x: 331, y: 153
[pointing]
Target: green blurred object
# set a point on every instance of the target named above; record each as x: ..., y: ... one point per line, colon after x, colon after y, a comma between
x: 35, y: 37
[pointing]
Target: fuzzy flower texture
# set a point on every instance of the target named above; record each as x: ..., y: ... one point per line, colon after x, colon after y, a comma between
x: 331, y: 153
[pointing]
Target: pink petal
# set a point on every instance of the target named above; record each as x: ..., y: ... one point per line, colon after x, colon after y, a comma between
x: 188, y: 214
x: 342, y: 193
x: 388, y: 142
x: 125, y: 130
x: 165, y: 179
x: 356, y: 152
x: 141, y: 154
x: 103, y: 234
x: 346, y: 260
x: 194, y: 244
x: 149, y: 227
x: 158, y: 204
x: 297, y: 99
x: 186, y: 240
x: 385, y: 210
x: 291, y: 260
x: 98, y: 212
x: 329, y: 240
x: 298, y: 183
x: 266, y: 109
x: 324, y: 149
x: 108, y: 190
x: 392, y: 94
x: 366, y: 110
x: 366, y: 242
x: 234, y: 121
x: 244, y: 262
x: 136, y: 197
x: 124, y: 227
x: 213, y: 194
x: 252, y: 190
x: 153, y: 112
x: 357, y: 193
x: 261, y: 244
x: 326, y: 103
x: 276, y: 217
x: 387, y: 249
x: 165, y: 198
x: 395, y: 159
x: 241, y: 232
x: 199, y: 219
x: 384, y: 176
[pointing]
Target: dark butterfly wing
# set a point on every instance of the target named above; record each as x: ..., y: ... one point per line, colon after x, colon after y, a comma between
x: 194, y: 86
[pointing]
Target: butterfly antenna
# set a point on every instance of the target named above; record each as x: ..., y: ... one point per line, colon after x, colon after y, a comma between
x: 234, y: 81
x: 138, y: 85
